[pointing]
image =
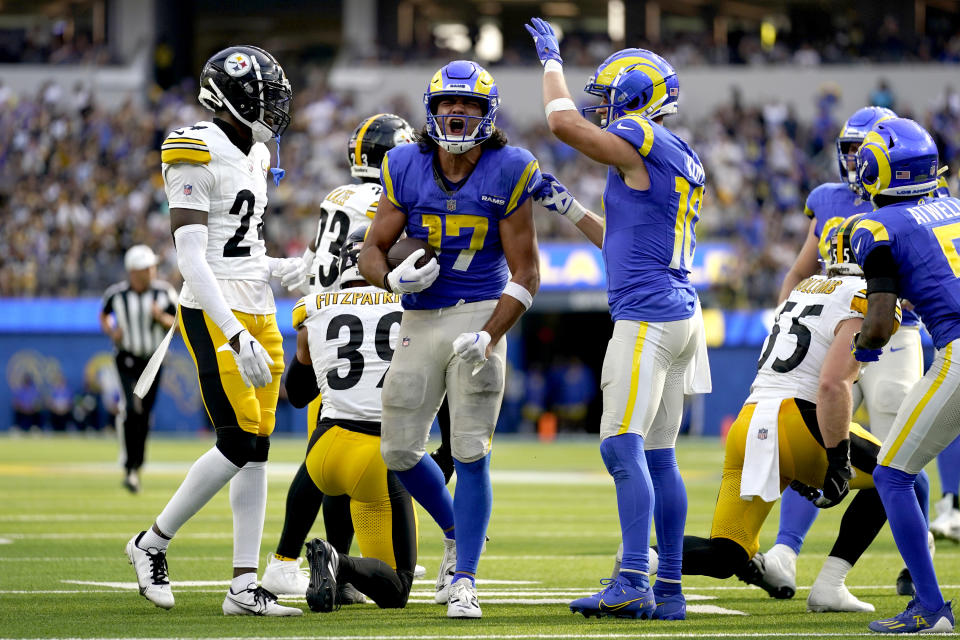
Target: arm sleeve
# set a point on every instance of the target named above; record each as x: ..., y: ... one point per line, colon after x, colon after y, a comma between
x: 188, y: 186
x: 191, y: 242
x: 880, y: 271
x: 301, y: 383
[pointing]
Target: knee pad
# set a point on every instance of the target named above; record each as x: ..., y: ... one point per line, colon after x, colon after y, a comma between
x: 262, y: 449
x: 469, y: 447
x: 399, y: 459
x: 236, y: 445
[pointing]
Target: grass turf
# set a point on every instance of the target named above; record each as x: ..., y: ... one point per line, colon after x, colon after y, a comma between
x: 64, y: 521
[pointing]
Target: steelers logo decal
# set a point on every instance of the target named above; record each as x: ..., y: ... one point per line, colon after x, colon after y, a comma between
x: 237, y: 65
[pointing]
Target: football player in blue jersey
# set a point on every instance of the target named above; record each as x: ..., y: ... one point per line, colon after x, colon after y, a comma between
x: 882, y: 387
x: 652, y: 200
x: 466, y: 192
x: 908, y: 249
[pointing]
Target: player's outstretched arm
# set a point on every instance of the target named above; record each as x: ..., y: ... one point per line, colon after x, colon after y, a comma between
x: 562, y: 115
x: 386, y: 227
x: 806, y: 264
x: 553, y: 196
x: 835, y: 391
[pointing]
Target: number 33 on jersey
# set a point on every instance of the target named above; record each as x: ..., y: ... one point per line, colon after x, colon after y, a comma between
x: 203, y: 170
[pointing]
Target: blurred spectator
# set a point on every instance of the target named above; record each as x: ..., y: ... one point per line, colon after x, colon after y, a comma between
x: 27, y: 404
x: 59, y: 402
x: 882, y: 96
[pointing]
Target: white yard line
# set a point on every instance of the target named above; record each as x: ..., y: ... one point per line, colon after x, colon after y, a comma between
x: 497, y: 636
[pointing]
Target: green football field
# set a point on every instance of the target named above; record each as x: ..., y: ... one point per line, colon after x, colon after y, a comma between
x: 64, y: 521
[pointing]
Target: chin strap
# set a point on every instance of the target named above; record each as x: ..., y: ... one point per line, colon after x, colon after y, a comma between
x: 277, y: 172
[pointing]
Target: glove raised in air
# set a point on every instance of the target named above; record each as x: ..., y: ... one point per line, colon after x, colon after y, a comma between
x: 545, y: 40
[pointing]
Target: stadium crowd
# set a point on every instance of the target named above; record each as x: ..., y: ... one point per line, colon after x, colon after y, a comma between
x: 80, y: 183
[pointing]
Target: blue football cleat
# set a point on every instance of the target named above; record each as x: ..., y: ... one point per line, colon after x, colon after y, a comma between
x: 670, y: 607
x: 916, y: 619
x: 619, y: 599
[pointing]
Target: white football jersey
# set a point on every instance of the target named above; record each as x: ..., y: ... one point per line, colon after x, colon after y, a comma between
x: 794, y: 351
x: 204, y: 170
x: 345, y: 209
x: 352, y: 334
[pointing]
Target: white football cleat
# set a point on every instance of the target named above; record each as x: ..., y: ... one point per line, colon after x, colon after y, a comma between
x: 448, y: 565
x: 285, y: 577
x: 825, y: 598
x: 463, y: 601
x: 151, y: 567
x: 419, y: 571
x: 946, y: 525
x: 255, y: 601
x: 775, y: 572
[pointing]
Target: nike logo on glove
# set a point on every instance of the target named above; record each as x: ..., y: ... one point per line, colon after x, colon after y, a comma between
x: 406, y: 281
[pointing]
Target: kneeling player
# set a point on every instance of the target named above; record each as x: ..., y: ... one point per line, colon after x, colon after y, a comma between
x: 345, y: 341
x: 795, y: 426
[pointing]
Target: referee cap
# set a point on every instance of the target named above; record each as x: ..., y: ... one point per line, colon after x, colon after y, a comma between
x: 139, y: 256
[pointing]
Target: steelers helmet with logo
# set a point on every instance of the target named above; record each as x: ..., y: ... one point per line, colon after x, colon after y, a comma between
x: 249, y: 83
x: 371, y: 140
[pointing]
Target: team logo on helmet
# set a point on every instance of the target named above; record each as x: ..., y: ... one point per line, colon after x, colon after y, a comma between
x: 897, y: 158
x: 237, y: 65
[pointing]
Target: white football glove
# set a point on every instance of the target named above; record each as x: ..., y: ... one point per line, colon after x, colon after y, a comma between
x: 407, y: 278
x: 472, y: 347
x: 253, y: 361
x: 293, y: 272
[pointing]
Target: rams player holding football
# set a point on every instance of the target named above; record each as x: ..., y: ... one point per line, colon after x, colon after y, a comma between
x: 466, y: 192
x: 652, y: 203
x: 908, y: 249
x: 882, y: 386
x: 215, y: 174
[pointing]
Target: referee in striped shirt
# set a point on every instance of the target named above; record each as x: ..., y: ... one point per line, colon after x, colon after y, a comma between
x: 136, y: 314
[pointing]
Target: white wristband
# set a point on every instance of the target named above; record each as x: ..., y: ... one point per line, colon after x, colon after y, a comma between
x: 552, y: 65
x: 576, y: 212
x: 559, y: 104
x: 519, y: 293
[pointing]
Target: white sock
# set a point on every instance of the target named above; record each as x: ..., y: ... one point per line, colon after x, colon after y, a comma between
x: 206, y: 477
x: 834, y: 572
x: 243, y: 581
x: 248, y: 499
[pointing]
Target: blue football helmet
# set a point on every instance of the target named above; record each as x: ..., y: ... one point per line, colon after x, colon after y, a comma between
x: 853, y: 131
x: 897, y: 158
x: 634, y: 81
x: 462, y: 78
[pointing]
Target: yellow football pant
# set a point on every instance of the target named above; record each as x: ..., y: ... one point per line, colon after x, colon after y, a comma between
x: 802, y: 458
x: 227, y: 400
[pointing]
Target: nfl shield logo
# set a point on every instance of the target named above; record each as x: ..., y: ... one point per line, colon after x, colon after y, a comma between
x: 451, y: 205
x: 405, y: 342
x: 187, y: 189
x: 762, y: 434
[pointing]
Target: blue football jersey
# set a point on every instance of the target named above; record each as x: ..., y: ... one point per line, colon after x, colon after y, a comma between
x: 923, y: 238
x: 462, y: 225
x: 649, y: 236
x: 829, y: 205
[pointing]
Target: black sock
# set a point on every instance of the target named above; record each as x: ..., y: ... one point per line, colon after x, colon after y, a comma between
x: 956, y: 500
x: 337, y: 522
x: 714, y: 557
x: 861, y: 523
x: 388, y: 588
x: 303, y: 504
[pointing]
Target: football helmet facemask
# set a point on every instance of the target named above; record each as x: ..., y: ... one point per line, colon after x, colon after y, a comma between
x: 897, y: 158
x: 350, y: 254
x: 371, y: 140
x: 634, y: 81
x: 462, y: 78
x: 840, y: 260
x: 250, y: 84
x: 853, y: 131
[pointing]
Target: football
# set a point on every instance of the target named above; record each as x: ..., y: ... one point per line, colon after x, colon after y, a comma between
x: 404, y: 247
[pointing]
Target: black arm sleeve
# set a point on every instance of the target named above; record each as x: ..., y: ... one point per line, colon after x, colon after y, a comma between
x: 880, y: 271
x: 301, y: 383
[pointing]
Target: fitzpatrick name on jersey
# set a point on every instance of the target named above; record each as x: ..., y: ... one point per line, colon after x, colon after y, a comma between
x: 352, y: 335
x: 462, y: 225
x: 203, y: 170
x: 803, y: 330
x: 650, y: 236
x: 923, y: 239
x: 345, y: 209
